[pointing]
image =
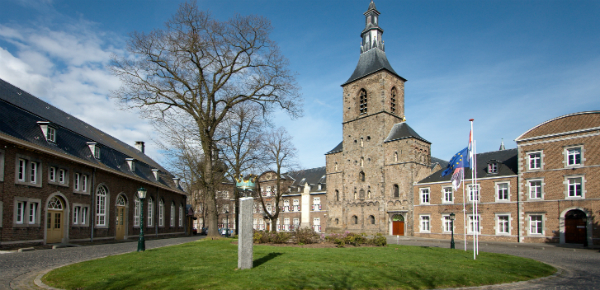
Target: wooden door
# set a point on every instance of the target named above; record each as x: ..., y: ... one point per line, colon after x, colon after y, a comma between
x: 398, y: 228
x: 574, y: 231
x: 54, y: 224
x: 120, y: 234
x: 268, y: 227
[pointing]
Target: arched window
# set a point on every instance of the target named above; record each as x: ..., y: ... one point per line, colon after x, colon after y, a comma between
x: 172, y: 216
x: 362, y: 194
x: 136, y: 212
x: 55, y: 203
x: 362, y: 142
x: 395, y: 156
x: 150, y: 212
x: 361, y: 176
x: 336, y: 167
x: 337, y: 195
x: 355, y: 219
x: 368, y: 194
x: 363, y: 101
x: 121, y: 200
x: 101, y: 205
x: 396, y: 190
x: 393, y: 101
x: 180, y: 215
x: 362, y: 161
x: 161, y: 213
x: 372, y: 219
x: 337, y: 221
x: 355, y: 194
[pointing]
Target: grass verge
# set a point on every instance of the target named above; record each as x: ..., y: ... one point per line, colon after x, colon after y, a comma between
x: 207, y: 264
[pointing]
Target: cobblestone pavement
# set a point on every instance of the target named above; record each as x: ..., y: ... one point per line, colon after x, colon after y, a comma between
x: 579, y: 268
x: 18, y: 270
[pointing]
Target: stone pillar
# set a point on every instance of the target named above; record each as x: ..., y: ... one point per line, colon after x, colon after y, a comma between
x: 246, y: 234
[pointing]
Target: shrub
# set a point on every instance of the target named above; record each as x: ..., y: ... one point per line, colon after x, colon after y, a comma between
x: 378, y: 240
x: 257, y: 238
x: 306, y: 236
x: 280, y: 237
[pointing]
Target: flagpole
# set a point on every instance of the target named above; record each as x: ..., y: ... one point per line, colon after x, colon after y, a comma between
x: 478, y: 193
x: 464, y: 211
x: 472, y: 191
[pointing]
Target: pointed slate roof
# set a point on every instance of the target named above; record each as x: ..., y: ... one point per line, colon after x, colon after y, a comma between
x: 403, y: 131
x: 370, y: 62
x: 338, y: 148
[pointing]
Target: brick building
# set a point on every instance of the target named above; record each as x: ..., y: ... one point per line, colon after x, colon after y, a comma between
x: 66, y: 181
x: 370, y: 174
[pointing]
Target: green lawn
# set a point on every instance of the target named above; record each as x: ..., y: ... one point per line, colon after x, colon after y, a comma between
x: 207, y: 264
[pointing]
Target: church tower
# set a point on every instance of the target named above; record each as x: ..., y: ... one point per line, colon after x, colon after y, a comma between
x: 371, y: 172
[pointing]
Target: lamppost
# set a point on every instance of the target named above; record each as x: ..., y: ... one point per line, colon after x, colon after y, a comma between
x: 227, y: 226
x: 141, y: 193
x: 452, y: 216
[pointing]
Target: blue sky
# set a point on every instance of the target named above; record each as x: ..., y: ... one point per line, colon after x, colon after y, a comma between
x: 510, y: 65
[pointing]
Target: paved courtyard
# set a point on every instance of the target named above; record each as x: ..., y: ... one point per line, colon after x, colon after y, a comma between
x: 580, y: 268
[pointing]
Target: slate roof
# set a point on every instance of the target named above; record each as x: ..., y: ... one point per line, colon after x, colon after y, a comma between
x: 441, y: 162
x: 337, y: 149
x: 370, y: 62
x: 507, y: 165
x: 313, y: 177
x: 403, y: 131
x: 21, y: 111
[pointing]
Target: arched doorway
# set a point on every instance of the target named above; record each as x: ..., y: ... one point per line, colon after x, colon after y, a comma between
x: 575, y: 226
x: 121, y: 222
x: 398, y: 225
x: 55, y: 220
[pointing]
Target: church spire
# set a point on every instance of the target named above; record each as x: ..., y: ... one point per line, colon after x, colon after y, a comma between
x: 371, y: 35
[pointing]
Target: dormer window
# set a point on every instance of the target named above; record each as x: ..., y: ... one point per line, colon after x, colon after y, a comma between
x: 131, y: 163
x: 493, y: 167
x: 155, y: 172
x: 48, y: 130
x: 95, y: 149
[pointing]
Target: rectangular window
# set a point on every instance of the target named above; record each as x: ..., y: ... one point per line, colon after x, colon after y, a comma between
x: 136, y: 213
x: 97, y: 152
x: 161, y: 214
x: 172, y: 217
x: 52, y: 174
x: 575, y: 187
x: 100, y: 210
x: 493, y: 168
x: 150, y: 212
x: 51, y: 135
x: 502, y: 191
x: 574, y: 156
x: 33, y: 177
x: 76, y: 214
x: 473, y: 224
x: 61, y: 176
x: 535, y: 189
x: 77, y: 181
x: 22, y: 170
x: 447, y: 191
x: 503, y: 225
x: 180, y: 216
x: 535, y: 160
x: 446, y: 223
x: 84, y: 212
x: 424, y: 195
x: 33, y: 207
x: 425, y: 225
x: 535, y: 224
x: 20, y: 212
x: 473, y: 192
x: 84, y: 182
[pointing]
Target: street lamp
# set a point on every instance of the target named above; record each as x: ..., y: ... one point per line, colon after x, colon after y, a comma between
x: 227, y: 226
x: 452, y: 216
x: 141, y: 193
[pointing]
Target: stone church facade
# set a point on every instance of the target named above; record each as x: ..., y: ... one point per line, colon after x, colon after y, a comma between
x: 370, y: 174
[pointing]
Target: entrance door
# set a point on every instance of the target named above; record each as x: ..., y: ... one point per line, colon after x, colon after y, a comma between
x: 268, y: 227
x: 55, y: 221
x: 398, y: 225
x: 55, y: 228
x: 575, y: 227
x: 120, y: 235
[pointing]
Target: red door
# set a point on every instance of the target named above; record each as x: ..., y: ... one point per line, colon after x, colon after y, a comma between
x: 398, y: 228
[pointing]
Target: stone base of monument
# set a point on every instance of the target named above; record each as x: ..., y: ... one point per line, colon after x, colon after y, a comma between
x: 245, y: 234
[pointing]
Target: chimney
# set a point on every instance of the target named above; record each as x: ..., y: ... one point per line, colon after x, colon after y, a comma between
x: 139, y: 145
x: 176, y: 180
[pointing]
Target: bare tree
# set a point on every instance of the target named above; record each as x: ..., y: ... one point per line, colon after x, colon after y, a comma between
x: 281, y: 154
x: 202, y: 68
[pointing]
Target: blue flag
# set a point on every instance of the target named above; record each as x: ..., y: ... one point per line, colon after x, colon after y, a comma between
x: 459, y: 160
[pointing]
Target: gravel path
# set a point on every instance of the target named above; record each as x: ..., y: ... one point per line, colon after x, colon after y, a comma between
x: 579, y: 267
x: 18, y: 270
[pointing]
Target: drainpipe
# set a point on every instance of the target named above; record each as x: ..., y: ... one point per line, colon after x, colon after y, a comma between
x: 91, y: 211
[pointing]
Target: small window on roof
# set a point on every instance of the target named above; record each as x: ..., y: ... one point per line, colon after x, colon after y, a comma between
x: 51, y: 135
x: 493, y: 166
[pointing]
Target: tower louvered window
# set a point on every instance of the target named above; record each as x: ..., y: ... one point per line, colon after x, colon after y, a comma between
x: 393, y: 101
x: 363, y: 101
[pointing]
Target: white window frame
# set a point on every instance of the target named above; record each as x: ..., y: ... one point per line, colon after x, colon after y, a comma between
x: 180, y: 216
x: 20, y: 208
x: 470, y: 196
x: 62, y: 176
x: 33, y: 212
x: 497, y: 187
x: 27, y: 170
x: 80, y: 215
x: 33, y: 172
x: 445, y: 194
x: 499, y: 224
x: 150, y: 211
x: 493, y: 168
x: 21, y: 170
x: 85, y: 210
x: 529, y: 187
x: 567, y: 156
x: 136, y: 212
x: 530, y: 224
x: 470, y: 222
x: 446, y: 223
x: 76, y: 214
x: 76, y: 181
x: 425, y: 223
x: 102, y: 199
x: 425, y: 195
x: 172, y: 217
x: 540, y: 160
x: 51, y: 134
x: 161, y: 213
x: 23, y: 215
x: 568, y: 184
x: 52, y: 174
